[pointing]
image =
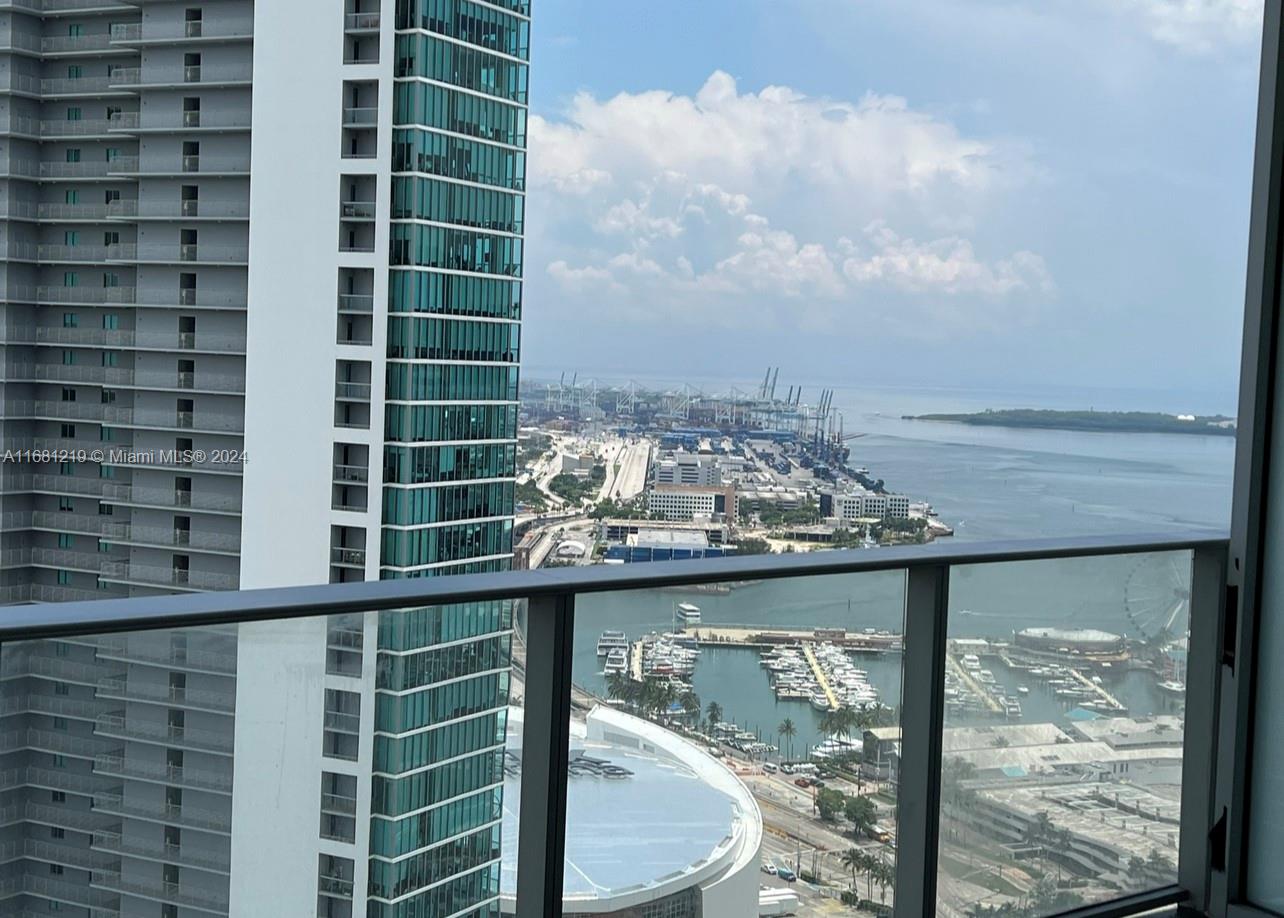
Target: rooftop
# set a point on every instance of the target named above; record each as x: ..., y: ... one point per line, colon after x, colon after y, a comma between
x: 1125, y: 732
x: 669, y: 538
x: 678, y: 818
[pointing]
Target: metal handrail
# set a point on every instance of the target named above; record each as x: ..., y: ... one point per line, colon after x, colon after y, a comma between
x: 220, y: 608
x: 549, y: 646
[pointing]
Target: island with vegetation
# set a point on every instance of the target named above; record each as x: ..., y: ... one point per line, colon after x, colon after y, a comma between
x: 1097, y: 421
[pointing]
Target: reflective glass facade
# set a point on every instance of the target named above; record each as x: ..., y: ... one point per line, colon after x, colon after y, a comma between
x: 450, y: 433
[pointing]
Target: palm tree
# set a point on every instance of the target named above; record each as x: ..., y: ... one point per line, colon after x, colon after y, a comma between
x: 854, y: 860
x: 662, y: 695
x: 833, y: 722
x: 884, y: 876
x: 691, y: 705
x: 714, y: 710
x: 788, y: 731
x: 840, y: 723
x: 654, y: 697
x: 619, y: 686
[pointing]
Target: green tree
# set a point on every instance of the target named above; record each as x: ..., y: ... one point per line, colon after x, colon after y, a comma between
x: 657, y: 696
x: 854, y: 860
x: 861, y: 813
x: 690, y: 702
x: 714, y: 712
x: 884, y: 876
x: 622, y: 688
x: 829, y: 803
x: 1044, y: 894
x: 788, y: 731
x: 836, y: 722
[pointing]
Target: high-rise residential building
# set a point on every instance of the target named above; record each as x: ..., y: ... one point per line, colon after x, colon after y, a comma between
x: 266, y: 257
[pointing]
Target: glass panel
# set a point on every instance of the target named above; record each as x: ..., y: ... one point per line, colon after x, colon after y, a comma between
x: 732, y: 738
x: 1061, y: 770
x: 167, y: 766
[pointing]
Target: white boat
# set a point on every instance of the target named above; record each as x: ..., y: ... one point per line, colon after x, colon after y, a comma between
x: 688, y: 614
x: 834, y: 746
x: 820, y: 701
x: 617, y: 661
x: 686, y: 641
x: 611, y: 640
x: 1173, y: 687
x: 1022, y: 690
x: 971, y: 661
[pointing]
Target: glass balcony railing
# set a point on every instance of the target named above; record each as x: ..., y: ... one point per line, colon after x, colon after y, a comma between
x: 1018, y: 729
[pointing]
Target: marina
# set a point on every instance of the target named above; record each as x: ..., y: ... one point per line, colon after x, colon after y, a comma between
x: 862, y: 615
x: 821, y: 675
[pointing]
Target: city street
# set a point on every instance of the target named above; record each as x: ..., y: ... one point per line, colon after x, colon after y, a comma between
x: 793, y: 837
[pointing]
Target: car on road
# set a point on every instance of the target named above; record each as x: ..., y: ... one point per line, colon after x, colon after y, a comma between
x: 769, y: 868
x: 769, y: 768
x: 786, y: 874
x: 803, y: 782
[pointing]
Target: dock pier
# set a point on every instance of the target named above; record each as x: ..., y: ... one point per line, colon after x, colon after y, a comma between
x: 635, y: 661
x: 818, y: 673
x: 765, y: 638
x: 1104, y: 696
x: 973, y: 685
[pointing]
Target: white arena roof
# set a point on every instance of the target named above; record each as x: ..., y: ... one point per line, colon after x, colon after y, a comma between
x: 677, y: 819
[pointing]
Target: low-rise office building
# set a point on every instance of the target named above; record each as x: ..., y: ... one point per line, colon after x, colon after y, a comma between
x: 615, y: 530
x: 684, y: 468
x: 864, y: 505
x: 684, y: 502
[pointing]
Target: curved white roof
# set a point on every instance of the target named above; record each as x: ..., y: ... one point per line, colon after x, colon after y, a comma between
x: 679, y: 819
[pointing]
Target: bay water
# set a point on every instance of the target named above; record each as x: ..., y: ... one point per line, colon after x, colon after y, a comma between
x: 988, y: 484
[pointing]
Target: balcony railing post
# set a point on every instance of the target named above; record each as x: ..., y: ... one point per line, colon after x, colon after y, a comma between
x: 918, y: 792
x: 541, y: 842
x: 1255, y: 513
x: 1203, y: 678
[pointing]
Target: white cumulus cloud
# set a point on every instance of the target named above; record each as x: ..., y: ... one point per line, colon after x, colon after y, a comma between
x: 1199, y: 26
x: 946, y: 265
x: 751, y: 200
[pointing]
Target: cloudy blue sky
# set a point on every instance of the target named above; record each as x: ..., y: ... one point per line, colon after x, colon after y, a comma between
x: 943, y: 192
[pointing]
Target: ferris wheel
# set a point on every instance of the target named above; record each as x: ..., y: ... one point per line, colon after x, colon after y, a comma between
x: 1157, y: 595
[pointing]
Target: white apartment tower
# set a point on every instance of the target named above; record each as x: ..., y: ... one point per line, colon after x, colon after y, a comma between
x: 262, y: 302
